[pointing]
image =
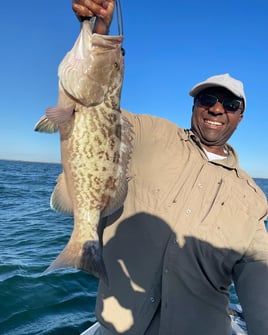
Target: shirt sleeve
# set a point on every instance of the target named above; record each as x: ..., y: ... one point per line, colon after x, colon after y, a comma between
x: 251, y: 282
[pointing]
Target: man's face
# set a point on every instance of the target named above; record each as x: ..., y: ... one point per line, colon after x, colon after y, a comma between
x: 214, y: 125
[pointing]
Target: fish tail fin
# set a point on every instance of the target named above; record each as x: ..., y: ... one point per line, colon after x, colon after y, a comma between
x: 86, y: 257
x: 67, y: 258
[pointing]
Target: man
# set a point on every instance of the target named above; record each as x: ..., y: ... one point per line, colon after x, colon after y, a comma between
x: 192, y: 222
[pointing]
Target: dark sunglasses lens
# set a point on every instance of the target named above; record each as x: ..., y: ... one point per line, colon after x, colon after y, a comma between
x: 207, y: 100
x: 231, y: 105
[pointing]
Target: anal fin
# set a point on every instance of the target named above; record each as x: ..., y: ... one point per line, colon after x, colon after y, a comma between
x: 60, y: 199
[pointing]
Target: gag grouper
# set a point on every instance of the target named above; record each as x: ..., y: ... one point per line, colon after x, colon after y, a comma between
x: 95, y: 144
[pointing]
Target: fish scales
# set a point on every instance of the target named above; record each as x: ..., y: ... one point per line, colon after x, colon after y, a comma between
x: 96, y: 144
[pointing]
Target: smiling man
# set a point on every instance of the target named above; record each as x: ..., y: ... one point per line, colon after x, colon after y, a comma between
x: 192, y: 222
x: 219, y: 103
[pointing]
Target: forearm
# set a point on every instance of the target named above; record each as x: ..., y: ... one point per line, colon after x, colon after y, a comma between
x: 251, y: 281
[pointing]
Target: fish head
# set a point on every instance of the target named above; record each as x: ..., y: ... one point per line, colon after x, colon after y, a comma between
x: 93, y: 68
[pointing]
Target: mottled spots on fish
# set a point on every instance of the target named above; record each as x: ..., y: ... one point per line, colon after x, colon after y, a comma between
x: 100, y: 155
x: 113, y: 102
x: 97, y: 199
x: 97, y: 180
x: 112, y: 143
x: 105, y: 199
x: 118, y: 131
x: 110, y: 183
x: 93, y: 126
x: 103, y: 131
x: 116, y: 158
x: 98, y: 140
x: 110, y: 117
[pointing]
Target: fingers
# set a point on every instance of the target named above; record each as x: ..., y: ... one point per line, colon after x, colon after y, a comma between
x: 87, y: 8
x: 103, y: 9
x: 81, y: 11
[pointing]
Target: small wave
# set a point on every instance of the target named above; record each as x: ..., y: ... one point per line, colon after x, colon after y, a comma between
x: 35, y: 299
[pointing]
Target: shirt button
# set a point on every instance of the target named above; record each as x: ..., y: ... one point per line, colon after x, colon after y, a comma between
x: 200, y: 185
x: 152, y: 299
x: 166, y: 270
x: 188, y: 211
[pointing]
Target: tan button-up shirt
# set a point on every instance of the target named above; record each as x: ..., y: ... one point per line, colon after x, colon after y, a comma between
x: 189, y: 226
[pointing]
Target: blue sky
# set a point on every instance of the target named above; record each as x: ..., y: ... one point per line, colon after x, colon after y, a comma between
x: 168, y: 50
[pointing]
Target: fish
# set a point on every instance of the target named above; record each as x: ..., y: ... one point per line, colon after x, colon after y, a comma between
x: 96, y: 145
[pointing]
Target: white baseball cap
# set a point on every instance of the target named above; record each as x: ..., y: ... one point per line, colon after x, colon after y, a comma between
x: 222, y: 80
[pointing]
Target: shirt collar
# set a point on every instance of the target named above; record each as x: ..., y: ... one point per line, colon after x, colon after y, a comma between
x: 230, y: 162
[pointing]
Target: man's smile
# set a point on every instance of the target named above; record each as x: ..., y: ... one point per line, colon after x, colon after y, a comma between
x: 213, y: 124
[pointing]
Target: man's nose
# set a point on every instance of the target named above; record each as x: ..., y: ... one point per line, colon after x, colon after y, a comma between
x: 216, y: 109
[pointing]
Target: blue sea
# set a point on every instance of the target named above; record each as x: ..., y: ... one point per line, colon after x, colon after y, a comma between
x: 31, y: 236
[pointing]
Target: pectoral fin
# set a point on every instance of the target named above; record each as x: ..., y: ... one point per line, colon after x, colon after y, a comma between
x: 58, y: 114
x: 44, y: 125
x: 50, y: 122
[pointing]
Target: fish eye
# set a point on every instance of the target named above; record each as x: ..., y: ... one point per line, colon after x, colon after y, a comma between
x: 116, y: 66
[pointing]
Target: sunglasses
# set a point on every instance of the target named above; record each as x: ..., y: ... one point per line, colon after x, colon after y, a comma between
x: 208, y: 100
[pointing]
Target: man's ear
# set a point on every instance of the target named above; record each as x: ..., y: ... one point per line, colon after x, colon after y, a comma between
x: 241, y: 116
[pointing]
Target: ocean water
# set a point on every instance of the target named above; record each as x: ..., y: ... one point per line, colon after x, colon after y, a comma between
x: 31, y: 235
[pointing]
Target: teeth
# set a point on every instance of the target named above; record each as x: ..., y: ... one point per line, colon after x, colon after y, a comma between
x: 214, y: 123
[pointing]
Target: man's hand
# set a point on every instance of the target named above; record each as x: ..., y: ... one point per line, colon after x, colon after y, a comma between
x: 103, y: 9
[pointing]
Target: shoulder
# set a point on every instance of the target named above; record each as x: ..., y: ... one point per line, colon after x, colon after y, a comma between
x: 147, y: 120
x: 243, y: 181
x: 154, y: 137
x: 252, y: 195
x: 149, y: 126
x: 252, y: 184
